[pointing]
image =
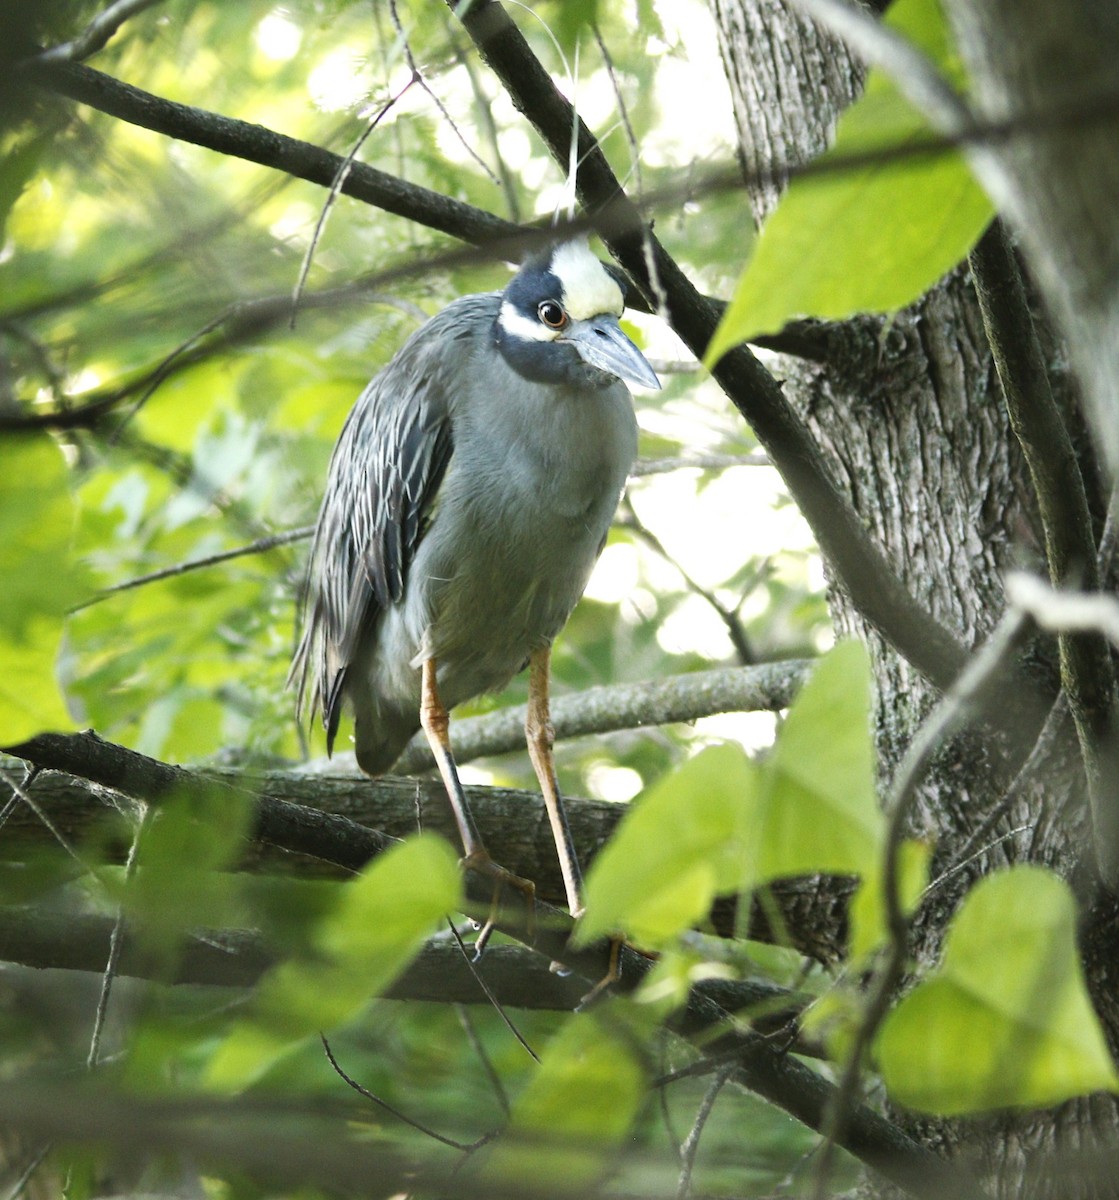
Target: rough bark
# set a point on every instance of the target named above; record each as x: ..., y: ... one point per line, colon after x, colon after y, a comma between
x: 1051, y: 71
x: 911, y: 417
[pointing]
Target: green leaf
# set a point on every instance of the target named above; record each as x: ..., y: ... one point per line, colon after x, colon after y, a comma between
x: 379, y: 923
x: 17, y: 167
x: 1006, y: 1021
x: 578, y: 1108
x: 678, y: 847
x: 868, y: 911
x: 818, y: 810
x: 181, y: 863
x: 720, y: 823
x: 40, y: 581
x: 864, y: 239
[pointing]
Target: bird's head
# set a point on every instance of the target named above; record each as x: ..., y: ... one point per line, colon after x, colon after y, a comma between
x: 558, y: 321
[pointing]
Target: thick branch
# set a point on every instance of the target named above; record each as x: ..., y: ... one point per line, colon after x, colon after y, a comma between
x: 1087, y: 676
x: 764, y: 1067
x: 768, y: 687
x: 873, y: 585
x: 339, y: 813
x: 440, y: 973
x: 256, y: 143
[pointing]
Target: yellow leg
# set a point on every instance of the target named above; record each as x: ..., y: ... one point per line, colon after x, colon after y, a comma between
x: 436, y: 725
x: 540, y: 736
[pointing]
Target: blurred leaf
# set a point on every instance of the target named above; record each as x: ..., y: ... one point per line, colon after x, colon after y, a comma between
x: 678, y: 847
x: 180, y: 882
x: 40, y: 582
x: 818, y: 811
x: 863, y: 239
x: 1006, y: 1021
x: 380, y: 920
x: 868, y: 911
x: 720, y: 824
x: 18, y: 164
x: 578, y: 1109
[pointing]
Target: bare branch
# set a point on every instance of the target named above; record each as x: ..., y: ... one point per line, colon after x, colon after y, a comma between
x: 872, y: 583
x: 959, y: 704
x: 96, y: 34
x: 765, y: 687
x: 1087, y: 675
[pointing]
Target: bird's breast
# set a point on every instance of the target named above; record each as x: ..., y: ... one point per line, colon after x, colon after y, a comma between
x: 523, y: 511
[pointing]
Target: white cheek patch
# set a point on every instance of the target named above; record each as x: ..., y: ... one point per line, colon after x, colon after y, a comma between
x: 589, y: 290
x: 519, y: 326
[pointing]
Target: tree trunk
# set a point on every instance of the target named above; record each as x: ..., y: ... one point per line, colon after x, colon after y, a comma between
x: 1052, y: 71
x: 911, y: 415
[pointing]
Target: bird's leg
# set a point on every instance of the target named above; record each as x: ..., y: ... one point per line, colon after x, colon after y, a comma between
x: 541, y: 736
x: 436, y: 725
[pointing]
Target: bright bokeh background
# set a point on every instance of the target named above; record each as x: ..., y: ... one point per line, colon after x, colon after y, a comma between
x: 126, y: 250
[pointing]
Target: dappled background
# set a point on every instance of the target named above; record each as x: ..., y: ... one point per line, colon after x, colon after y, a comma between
x: 156, y: 277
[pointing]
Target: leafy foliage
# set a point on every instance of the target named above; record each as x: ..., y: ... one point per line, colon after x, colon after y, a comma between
x: 864, y: 238
x: 1006, y: 1021
x: 145, y: 302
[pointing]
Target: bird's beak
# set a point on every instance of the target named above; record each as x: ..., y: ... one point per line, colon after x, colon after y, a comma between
x: 601, y: 343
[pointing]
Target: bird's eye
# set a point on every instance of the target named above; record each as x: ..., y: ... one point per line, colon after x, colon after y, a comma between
x: 552, y: 314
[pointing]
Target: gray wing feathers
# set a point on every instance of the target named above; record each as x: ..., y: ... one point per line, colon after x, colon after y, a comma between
x: 384, y: 475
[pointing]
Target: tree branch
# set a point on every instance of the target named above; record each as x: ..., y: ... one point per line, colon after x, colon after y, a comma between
x: 256, y: 143
x: 339, y: 813
x: 97, y: 33
x: 1087, y: 675
x: 872, y: 583
x: 762, y: 1066
x: 767, y: 687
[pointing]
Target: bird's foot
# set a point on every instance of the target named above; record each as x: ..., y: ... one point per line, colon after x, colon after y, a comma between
x: 613, y: 971
x: 481, y: 863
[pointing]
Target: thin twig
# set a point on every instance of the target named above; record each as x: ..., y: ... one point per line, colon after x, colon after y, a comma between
x: 96, y: 34
x: 729, y: 616
x: 690, y: 1146
x: 116, y: 942
x: 467, y: 1147
x: 702, y: 462
x: 422, y: 81
x: 484, y: 110
x: 468, y: 1027
x: 336, y: 187
x: 36, y: 1161
x: 498, y: 1007
x: 966, y: 861
x: 196, y: 564
x: 954, y: 709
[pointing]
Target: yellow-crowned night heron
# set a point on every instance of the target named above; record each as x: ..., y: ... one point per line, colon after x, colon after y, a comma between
x: 468, y: 498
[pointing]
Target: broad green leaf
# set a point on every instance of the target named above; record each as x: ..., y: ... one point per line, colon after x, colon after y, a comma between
x: 720, y: 823
x: 40, y: 581
x: 181, y: 863
x: 870, y: 238
x: 868, y: 911
x: 379, y: 923
x: 1006, y: 1021
x: 817, y: 809
x: 17, y: 166
x: 577, y: 1110
x: 677, y: 848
